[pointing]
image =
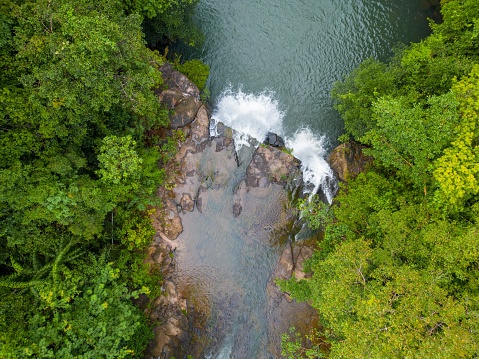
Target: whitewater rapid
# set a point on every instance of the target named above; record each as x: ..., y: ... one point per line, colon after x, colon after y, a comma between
x: 252, y: 116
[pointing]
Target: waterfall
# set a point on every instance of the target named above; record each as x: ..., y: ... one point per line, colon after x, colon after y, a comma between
x: 252, y: 116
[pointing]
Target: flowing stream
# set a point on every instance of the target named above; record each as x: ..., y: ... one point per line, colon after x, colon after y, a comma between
x: 273, y: 65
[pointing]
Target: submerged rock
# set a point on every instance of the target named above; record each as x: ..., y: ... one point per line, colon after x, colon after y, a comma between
x: 187, y: 202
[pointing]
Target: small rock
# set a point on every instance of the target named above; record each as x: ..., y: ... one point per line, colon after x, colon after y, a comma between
x: 237, y: 208
x: 274, y: 140
x: 187, y: 203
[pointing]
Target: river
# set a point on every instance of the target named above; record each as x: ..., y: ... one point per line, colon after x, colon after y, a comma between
x: 273, y: 65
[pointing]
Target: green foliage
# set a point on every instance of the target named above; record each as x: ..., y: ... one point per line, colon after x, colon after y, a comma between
x: 135, y: 273
x: 315, y: 212
x: 457, y: 170
x: 356, y: 94
x: 292, y: 345
x: 100, y: 321
x: 299, y: 288
x: 195, y: 70
x: 119, y: 162
x: 396, y: 273
x: 425, y: 131
x: 78, y: 172
x: 400, y: 279
x: 166, y: 21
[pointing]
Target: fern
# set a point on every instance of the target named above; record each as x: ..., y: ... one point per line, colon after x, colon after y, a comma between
x: 14, y: 284
x: 18, y: 268
x: 58, y: 261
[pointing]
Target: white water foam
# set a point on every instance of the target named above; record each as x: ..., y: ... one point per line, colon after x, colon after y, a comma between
x: 317, y: 174
x: 253, y: 116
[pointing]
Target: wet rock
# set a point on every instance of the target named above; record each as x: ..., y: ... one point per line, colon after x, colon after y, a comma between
x: 274, y: 140
x: 220, y: 128
x: 223, y: 131
x: 200, y: 128
x: 237, y: 208
x: 199, y: 204
x: 222, y: 142
x: 175, y: 79
x: 184, y: 112
x: 329, y: 187
x: 270, y: 165
x: 348, y: 160
x: 187, y: 202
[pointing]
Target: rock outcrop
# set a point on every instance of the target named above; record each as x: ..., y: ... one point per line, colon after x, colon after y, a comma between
x: 182, y: 97
x: 348, y: 160
x: 274, y: 140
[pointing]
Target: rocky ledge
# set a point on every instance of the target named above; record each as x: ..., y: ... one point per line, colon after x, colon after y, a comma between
x: 348, y: 160
x: 201, y: 165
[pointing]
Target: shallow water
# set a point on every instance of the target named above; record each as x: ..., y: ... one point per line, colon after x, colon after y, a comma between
x: 224, y: 261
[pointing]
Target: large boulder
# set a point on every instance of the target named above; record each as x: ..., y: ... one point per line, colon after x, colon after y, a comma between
x: 348, y: 160
x: 184, y: 112
x: 270, y: 165
x: 182, y: 97
x: 175, y: 79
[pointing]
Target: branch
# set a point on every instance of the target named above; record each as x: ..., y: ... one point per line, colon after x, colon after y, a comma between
x: 392, y: 148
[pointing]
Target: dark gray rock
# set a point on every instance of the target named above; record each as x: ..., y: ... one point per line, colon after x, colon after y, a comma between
x: 274, y: 140
x: 237, y: 208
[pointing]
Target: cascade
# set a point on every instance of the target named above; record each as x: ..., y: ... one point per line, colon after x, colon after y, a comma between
x: 252, y: 116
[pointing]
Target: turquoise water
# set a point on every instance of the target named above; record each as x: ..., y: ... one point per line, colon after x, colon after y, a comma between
x: 297, y: 49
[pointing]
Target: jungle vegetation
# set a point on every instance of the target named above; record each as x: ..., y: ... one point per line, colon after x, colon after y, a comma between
x: 397, y: 273
x: 79, y: 167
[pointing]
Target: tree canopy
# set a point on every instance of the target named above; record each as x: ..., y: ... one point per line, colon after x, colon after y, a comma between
x: 78, y: 169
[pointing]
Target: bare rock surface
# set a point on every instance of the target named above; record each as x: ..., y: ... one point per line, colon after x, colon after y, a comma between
x: 182, y: 97
x: 270, y: 165
x: 348, y: 160
x: 176, y: 80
